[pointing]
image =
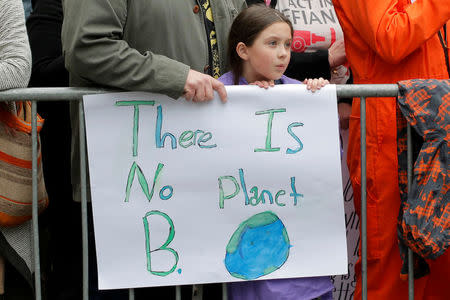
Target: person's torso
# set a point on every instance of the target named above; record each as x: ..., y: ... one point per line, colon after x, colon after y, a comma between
x: 176, y: 29
x: 427, y: 61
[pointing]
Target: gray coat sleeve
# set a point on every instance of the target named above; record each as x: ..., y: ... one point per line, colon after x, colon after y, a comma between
x: 15, y: 54
x: 94, y: 49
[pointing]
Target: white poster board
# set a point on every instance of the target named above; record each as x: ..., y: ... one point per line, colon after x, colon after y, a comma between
x: 186, y: 193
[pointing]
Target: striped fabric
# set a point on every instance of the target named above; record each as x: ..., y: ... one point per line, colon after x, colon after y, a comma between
x: 15, y: 166
x: 15, y: 71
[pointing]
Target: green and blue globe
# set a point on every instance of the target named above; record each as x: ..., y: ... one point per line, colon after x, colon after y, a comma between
x: 258, y: 247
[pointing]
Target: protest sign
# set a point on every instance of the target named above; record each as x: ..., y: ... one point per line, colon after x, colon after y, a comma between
x: 187, y: 193
x: 315, y: 23
x: 316, y: 27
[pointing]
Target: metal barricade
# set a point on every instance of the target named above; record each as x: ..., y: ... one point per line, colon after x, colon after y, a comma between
x: 76, y: 94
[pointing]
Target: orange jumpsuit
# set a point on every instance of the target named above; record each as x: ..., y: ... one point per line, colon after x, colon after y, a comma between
x: 387, y: 41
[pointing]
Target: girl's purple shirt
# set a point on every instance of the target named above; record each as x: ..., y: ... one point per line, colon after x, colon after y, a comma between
x: 227, y: 79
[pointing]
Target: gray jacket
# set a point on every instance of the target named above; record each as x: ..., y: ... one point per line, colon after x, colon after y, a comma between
x: 139, y: 45
x: 145, y: 45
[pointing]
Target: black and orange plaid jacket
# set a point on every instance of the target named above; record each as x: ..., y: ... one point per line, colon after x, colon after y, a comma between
x: 423, y: 222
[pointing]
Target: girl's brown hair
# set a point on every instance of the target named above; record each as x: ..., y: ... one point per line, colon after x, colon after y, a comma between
x: 246, y: 28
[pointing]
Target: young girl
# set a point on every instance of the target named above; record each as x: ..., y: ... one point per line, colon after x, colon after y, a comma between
x: 259, y: 52
x: 259, y: 49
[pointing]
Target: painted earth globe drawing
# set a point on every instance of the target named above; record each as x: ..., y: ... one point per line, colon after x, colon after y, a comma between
x: 259, y: 246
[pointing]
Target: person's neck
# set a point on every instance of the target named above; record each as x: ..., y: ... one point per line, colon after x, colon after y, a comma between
x: 250, y: 77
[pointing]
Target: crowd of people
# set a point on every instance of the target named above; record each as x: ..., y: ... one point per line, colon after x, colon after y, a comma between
x: 193, y: 49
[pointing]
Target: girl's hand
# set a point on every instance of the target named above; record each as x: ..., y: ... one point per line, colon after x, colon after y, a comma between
x: 315, y: 84
x: 263, y: 84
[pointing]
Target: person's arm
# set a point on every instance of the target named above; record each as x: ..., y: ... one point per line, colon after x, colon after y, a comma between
x: 15, y: 55
x: 94, y: 50
x: 44, y: 32
x: 391, y: 31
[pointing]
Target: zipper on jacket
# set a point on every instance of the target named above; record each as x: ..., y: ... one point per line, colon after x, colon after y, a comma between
x: 208, y: 40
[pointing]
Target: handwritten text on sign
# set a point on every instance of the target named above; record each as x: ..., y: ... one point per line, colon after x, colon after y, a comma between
x: 189, y: 193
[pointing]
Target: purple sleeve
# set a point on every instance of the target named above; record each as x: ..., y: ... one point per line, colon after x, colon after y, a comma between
x: 287, y: 80
x: 226, y: 79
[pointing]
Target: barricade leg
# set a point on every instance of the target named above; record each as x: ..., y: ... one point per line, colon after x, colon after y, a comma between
x: 363, y: 201
x: 35, y: 212
x: 224, y: 291
x: 84, y: 222
x: 178, y: 292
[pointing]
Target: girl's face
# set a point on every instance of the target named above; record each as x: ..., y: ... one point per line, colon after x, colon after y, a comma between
x: 268, y: 57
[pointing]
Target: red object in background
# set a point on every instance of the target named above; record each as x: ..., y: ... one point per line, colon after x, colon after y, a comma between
x: 303, y: 38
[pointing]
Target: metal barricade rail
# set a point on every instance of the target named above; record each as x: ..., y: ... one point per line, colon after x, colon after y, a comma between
x: 76, y: 94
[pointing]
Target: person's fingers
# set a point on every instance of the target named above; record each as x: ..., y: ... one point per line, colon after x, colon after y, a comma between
x: 199, y: 87
x: 339, y: 43
x: 315, y: 85
x: 309, y: 83
x: 257, y: 83
x: 199, y: 94
x: 189, y: 95
x: 209, y: 92
x: 263, y: 84
x: 220, y: 89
